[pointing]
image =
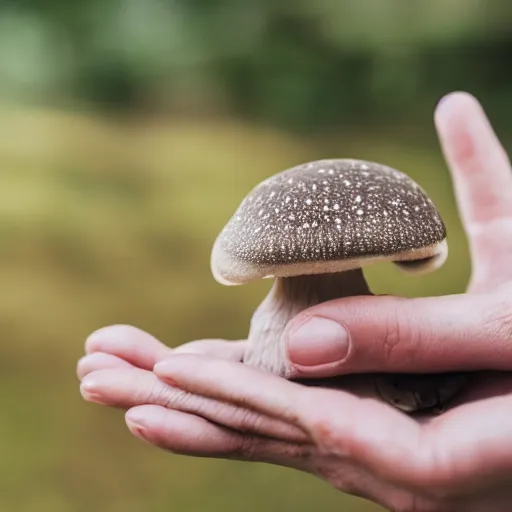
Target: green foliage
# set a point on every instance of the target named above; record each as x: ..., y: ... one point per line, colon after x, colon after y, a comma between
x: 306, y: 65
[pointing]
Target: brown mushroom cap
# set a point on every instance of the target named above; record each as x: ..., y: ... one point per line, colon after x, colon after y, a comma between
x: 329, y: 216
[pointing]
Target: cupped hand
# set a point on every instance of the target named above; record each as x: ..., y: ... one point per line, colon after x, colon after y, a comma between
x: 203, y: 402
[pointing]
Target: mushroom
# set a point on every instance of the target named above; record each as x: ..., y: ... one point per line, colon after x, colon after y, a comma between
x: 312, y: 229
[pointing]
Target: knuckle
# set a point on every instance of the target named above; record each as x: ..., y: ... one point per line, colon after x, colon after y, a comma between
x: 178, y: 399
x: 330, y: 436
x: 391, y: 337
x: 399, y: 343
x: 246, y: 447
x: 402, y: 343
x: 170, y: 397
x: 499, y: 317
x: 247, y: 420
x: 259, y: 449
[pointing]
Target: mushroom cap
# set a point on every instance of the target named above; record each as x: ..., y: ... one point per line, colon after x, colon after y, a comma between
x: 329, y: 216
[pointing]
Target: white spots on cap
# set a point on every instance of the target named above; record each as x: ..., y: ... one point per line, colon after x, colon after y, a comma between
x: 375, y: 210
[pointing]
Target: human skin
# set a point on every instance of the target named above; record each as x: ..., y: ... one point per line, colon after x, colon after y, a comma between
x: 200, y: 400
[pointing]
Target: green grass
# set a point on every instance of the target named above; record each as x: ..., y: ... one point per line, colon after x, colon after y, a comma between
x: 104, y: 222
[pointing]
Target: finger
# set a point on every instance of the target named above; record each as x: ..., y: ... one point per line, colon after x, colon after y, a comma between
x: 365, y: 432
x: 191, y: 435
x: 187, y: 434
x: 126, y: 388
x: 231, y: 350
x: 143, y: 350
x: 129, y: 343
x: 234, y: 383
x: 479, y: 164
x: 481, y: 173
x: 399, y: 335
x: 99, y: 361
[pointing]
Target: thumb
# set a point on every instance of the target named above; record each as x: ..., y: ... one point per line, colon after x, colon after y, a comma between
x: 399, y: 335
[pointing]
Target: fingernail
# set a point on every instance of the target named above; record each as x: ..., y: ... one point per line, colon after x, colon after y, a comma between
x: 136, y: 428
x: 161, y: 370
x: 89, y: 393
x: 160, y: 367
x: 318, y: 341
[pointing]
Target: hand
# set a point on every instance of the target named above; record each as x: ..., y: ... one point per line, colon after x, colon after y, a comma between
x: 461, y: 460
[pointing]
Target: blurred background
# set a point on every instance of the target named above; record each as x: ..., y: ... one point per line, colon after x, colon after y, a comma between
x: 129, y: 132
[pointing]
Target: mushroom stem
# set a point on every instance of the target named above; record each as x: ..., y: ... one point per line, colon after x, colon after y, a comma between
x: 290, y: 295
x: 287, y: 298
